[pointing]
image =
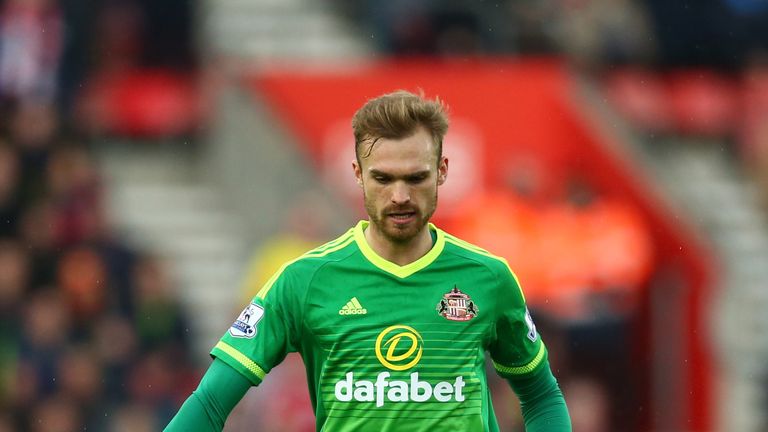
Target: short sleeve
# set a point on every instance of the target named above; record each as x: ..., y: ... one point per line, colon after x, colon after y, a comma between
x: 516, y: 347
x: 264, y: 332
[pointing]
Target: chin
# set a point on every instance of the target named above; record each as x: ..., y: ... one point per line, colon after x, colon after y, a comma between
x: 405, y: 234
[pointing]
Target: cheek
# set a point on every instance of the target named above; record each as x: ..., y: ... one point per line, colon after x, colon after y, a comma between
x: 426, y: 191
x: 374, y: 192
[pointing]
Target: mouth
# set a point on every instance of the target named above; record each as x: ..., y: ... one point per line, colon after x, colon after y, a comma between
x: 402, y: 217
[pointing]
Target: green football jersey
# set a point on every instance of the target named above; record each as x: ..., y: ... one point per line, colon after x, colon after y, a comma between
x: 389, y: 347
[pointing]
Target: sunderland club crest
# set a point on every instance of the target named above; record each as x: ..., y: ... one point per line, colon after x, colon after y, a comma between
x: 457, y: 306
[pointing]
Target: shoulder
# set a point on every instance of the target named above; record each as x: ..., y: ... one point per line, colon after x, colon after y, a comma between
x: 463, y: 249
x: 507, y: 284
x: 507, y: 281
x: 298, y: 273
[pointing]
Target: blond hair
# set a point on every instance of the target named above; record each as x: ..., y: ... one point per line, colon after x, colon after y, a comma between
x: 397, y: 115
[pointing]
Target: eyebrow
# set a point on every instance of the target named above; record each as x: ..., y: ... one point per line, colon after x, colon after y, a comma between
x: 422, y: 173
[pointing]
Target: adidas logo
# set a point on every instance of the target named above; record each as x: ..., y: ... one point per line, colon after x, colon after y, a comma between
x: 353, y: 307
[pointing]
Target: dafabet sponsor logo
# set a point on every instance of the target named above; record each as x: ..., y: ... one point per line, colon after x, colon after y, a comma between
x: 398, y: 348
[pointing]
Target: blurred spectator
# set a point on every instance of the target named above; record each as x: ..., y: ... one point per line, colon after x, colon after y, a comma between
x: 118, y: 46
x: 44, y: 340
x: 37, y: 232
x: 74, y: 190
x: 715, y: 33
x: 79, y: 378
x: 534, y: 26
x: 135, y: 34
x: 82, y: 279
x: 76, y: 51
x: 6, y: 424
x: 401, y: 27
x: 116, y: 358
x: 10, y: 207
x: 167, y: 36
x: 447, y: 28
x: 597, y: 33
x: 154, y: 381
x: 14, y: 273
x: 14, y: 278
x: 160, y: 321
x: 33, y: 130
x: 134, y: 418
x: 55, y: 414
x: 31, y: 32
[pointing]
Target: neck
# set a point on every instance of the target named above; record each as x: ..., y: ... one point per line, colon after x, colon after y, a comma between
x: 399, y: 253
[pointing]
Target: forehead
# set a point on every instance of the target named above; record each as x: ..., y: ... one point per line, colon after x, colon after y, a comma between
x: 413, y: 153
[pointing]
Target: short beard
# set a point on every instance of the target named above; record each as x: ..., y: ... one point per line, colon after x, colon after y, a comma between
x: 399, y: 237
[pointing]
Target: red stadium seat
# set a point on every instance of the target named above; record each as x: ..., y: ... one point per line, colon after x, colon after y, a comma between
x: 142, y: 104
x: 703, y: 103
x: 640, y: 96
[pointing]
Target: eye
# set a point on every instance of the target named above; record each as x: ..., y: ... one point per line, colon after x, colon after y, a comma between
x: 382, y: 179
x: 416, y: 179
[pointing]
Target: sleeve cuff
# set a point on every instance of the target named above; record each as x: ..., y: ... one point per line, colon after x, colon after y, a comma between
x: 523, y: 369
x: 239, y: 361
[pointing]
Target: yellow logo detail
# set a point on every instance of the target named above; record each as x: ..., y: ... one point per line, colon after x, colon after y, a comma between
x: 402, y: 359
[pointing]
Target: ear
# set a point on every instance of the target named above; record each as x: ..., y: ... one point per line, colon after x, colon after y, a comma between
x: 442, y: 171
x: 358, y: 172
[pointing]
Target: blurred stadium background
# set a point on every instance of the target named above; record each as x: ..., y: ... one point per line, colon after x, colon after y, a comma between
x: 159, y: 159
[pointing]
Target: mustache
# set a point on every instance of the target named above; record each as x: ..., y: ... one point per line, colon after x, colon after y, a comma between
x: 400, y: 209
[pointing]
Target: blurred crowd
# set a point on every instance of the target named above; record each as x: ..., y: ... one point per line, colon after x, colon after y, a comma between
x: 92, y: 336
x: 590, y: 33
x: 91, y: 333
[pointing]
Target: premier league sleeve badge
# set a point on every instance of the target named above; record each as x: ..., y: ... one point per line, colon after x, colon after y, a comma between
x: 245, y: 325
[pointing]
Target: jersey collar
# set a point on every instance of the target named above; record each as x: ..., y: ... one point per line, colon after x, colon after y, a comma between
x: 390, y: 267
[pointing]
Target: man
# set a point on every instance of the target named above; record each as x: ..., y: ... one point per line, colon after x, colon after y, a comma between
x: 394, y: 317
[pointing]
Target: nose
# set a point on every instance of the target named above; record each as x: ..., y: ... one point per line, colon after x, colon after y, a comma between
x: 401, y: 193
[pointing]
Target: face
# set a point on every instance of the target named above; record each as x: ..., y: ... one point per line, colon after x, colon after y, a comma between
x: 399, y: 178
